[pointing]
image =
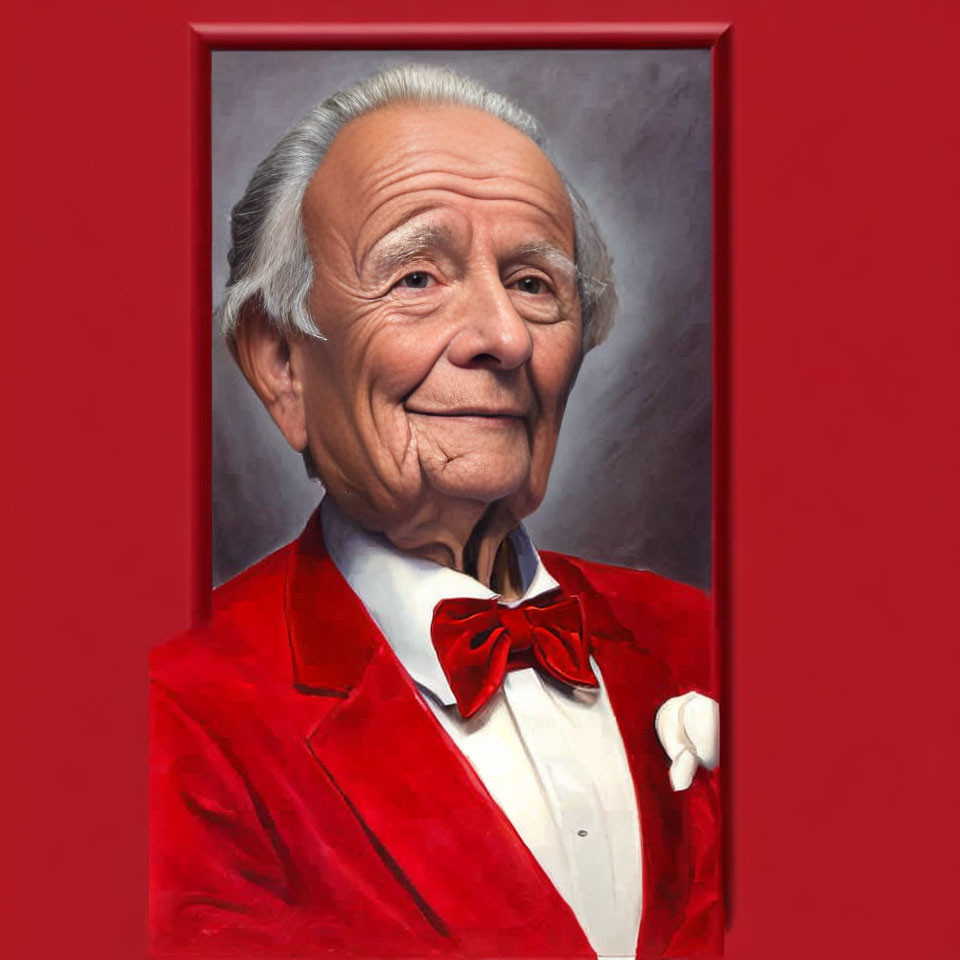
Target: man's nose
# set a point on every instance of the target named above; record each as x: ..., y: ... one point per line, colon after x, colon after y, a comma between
x: 491, y: 333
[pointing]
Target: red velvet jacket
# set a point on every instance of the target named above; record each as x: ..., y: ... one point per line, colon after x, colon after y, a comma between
x: 305, y: 802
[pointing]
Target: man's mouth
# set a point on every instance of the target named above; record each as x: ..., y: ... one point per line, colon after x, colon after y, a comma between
x: 484, y: 413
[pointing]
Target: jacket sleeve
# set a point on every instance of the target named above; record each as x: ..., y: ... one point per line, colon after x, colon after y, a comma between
x: 218, y: 884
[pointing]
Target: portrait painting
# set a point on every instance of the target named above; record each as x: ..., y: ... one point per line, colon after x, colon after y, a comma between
x: 459, y: 694
x: 479, y: 483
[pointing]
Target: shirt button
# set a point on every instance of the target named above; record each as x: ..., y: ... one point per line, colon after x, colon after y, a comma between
x: 581, y: 833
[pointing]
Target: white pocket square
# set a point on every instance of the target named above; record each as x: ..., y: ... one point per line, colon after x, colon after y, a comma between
x: 689, y: 730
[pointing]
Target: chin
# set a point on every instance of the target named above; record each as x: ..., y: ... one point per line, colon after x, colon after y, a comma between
x: 469, y: 478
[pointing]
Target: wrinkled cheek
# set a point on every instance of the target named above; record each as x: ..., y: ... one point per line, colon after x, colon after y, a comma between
x: 543, y: 449
x: 384, y: 467
x: 333, y: 433
x: 394, y: 445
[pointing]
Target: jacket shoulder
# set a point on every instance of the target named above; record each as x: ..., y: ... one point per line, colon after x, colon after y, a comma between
x: 245, y: 634
x: 670, y: 619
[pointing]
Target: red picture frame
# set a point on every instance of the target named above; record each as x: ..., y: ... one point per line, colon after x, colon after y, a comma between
x: 836, y: 482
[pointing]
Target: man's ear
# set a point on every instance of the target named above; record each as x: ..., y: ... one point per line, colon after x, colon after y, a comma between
x: 263, y: 354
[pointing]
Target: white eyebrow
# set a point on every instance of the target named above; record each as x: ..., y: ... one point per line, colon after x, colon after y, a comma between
x: 549, y: 252
x: 406, y: 244
x: 410, y: 242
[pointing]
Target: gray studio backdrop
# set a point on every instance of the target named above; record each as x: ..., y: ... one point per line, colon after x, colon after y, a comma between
x: 631, y: 128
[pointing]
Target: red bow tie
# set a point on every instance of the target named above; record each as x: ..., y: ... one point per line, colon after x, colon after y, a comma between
x: 478, y: 641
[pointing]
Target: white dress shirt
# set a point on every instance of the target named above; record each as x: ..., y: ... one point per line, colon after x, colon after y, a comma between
x: 550, y: 756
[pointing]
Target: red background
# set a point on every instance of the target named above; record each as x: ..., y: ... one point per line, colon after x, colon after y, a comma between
x: 838, y: 502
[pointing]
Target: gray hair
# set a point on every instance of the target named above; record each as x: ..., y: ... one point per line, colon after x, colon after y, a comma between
x: 270, y: 263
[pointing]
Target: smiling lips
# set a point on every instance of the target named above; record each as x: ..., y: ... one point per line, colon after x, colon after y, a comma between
x: 471, y: 413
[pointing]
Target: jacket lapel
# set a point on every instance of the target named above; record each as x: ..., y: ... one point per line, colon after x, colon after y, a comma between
x: 637, y: 683
x: 419, y: 802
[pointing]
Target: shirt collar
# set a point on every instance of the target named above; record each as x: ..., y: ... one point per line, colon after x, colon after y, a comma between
x: 400, y: 592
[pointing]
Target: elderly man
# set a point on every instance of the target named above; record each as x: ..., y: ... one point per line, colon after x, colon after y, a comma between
x: 408, y: 733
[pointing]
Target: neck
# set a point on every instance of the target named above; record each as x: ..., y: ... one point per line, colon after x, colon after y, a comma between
x: 489, y: 557
x: 466, y: 536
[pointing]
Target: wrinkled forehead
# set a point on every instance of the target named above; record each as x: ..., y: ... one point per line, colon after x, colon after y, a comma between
x: 412, y: 154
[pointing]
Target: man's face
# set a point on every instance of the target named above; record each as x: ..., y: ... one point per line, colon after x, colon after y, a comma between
x: 442, y: 241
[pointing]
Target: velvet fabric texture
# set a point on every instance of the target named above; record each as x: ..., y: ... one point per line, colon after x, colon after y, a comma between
x: 305, y: 801
x: 478, y: 641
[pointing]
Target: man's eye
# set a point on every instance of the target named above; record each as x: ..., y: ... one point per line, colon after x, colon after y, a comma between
x: 530, y: 285
x: 415, y: 281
